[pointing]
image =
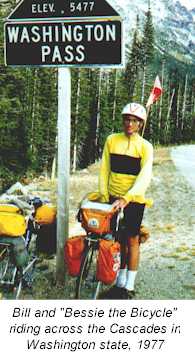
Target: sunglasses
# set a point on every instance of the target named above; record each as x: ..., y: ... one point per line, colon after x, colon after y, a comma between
x: 132, y: 120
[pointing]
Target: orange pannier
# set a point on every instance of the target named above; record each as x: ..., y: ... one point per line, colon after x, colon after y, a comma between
x: 96, y: 217
x: 108, y: 262
x: 73, y: 251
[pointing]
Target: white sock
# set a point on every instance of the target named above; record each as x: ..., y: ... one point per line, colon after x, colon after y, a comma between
x: 131, y: 275
x: 121, y: 278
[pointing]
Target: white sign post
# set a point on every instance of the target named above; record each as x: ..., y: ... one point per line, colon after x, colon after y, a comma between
x: 64, y: 134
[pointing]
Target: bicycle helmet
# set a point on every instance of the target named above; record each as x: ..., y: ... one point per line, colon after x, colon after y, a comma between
x: 136, y: 110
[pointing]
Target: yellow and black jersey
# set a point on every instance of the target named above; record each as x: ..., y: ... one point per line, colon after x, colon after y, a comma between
x: 126, y: 168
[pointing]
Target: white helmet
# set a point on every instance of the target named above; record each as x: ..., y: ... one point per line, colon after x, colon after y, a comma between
x: 135, y: 109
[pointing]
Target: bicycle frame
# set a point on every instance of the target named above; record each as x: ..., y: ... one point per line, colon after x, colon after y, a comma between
x: 92, y: 241
x: 2, y: 281
x: 13, y: 275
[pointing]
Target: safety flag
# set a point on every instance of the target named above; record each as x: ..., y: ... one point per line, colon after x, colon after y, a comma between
x: 156, y: 92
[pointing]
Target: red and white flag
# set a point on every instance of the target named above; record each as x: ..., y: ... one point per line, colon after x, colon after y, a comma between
x: 156, y: 92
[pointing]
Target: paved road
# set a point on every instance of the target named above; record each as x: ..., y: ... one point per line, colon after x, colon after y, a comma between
x: 184, y: 159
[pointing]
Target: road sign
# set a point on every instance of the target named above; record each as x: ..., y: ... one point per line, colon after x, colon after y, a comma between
x: 63, y: 44
x: 55, y: 9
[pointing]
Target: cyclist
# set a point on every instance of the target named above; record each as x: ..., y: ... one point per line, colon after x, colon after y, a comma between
x: 125, y: 174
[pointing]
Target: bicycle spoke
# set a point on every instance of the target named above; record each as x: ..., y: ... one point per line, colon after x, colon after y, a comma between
x: 87, y: 286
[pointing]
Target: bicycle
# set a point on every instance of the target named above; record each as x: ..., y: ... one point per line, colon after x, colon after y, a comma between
x: 11, y: 276
x: 87, y: 284
x: 14, y: 275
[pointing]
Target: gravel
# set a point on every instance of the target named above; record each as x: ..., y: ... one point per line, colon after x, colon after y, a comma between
x: 167, y: 265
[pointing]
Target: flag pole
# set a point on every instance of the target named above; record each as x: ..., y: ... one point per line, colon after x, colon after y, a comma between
x: 147, y: 114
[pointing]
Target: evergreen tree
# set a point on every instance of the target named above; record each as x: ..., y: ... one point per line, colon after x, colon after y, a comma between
x: 84, y: 116
x: 92, y: 144
x: 148, y: 38
x: 45, y: 126
x: 134, y: 62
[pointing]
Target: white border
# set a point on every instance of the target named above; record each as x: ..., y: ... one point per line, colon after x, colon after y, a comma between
x: 20, y: 3
x: 115, y: 66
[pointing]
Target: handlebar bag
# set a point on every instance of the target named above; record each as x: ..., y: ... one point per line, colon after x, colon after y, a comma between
x: 73, y: 251
x: 96, y: 217
x: 108, y: 262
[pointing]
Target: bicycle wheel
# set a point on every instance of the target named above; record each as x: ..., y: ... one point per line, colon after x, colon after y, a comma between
x: 24, y: 278
x: 87, y: 286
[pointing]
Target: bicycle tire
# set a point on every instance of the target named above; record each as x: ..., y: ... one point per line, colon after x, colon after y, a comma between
x: 87, y: 286
x: 17, y: 285
x: 8, y: 273
x: 4, y: 261
x: 24, y: 276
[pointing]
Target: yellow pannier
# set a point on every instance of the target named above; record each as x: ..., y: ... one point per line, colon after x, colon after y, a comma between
x: 45, y: 214
x: 12, y: 224
x: 9, y: 208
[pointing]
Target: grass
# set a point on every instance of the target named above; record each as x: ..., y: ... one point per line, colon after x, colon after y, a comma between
x: 171, y: 255
x: 165, y: 228
x: 161, y: 155
x: 182, y: 252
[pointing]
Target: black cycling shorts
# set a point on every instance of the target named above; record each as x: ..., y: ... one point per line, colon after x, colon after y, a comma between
x: 133, y: 215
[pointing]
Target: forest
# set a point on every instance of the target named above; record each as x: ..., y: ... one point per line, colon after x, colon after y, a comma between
x: 28, y: 104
